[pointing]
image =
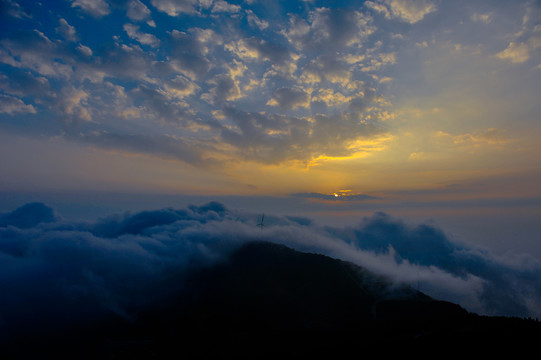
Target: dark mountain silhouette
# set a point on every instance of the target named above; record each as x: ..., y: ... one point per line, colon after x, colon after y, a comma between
x: 267, y: 300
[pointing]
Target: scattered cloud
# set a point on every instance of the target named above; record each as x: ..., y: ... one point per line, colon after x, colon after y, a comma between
x: 142, y: 38
x: 12, y: 105
x: 484, y: 18
x: 137, y: 11
x: 410, y: 11
x: 289, y: 98
x: 255, y: 21
x: 96, y: 8
x: 175, y: 7
x: 14, y: 9
x: 516, y: 52
x: 328, y: 29
x: 491, y: 136
x: 66, y: 30
x: 313, y: 83
x: 224, y: 6
x: 85, y: 50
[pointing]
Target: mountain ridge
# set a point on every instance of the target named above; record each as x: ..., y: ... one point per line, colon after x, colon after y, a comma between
x: 270, y: 300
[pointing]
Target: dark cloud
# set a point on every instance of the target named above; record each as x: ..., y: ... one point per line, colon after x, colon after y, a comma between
x: 161, y: 106
x: 329, y: 29
x: 289, y: 98
x: 224, y: 89
x: 328, y: 68
x: 263, y: 50
x: 28, y: 216
x: 12, y: 8
x: 189, y: 54
x: 158, y: 145
x: 24, y: 83
x: 275, y: 138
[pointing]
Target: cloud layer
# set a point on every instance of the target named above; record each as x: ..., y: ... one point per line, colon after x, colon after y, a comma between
x: 191, y: 83
x: 70, y: 271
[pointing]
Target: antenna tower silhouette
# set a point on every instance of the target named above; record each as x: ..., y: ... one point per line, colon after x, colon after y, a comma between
x: 261, y: 225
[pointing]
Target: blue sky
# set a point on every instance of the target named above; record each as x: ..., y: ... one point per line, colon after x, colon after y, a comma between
x: 423, y: 108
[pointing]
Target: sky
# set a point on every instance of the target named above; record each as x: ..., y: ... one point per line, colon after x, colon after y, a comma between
x: 424, y: 109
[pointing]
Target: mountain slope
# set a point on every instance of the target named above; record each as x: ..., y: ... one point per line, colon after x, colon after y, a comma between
x: 267, y: 300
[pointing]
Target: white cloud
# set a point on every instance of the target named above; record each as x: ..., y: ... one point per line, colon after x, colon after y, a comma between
x: 515, y: 52
x: 484, y: 18
x: 66, y: 30
x: 97, y: 8
x: 224, y: 6
x: 12, y: 105
x: 258, y: 49
x: 410, y: 11
x: 74, y: 103
x: 137, y: 10
x: 175, y: 7
x: 85, y: 50
x: 37, y: 52
x: 255, y: 21
x: 143, y: 38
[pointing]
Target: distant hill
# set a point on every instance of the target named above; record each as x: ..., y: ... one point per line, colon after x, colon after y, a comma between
x: 267, y: 300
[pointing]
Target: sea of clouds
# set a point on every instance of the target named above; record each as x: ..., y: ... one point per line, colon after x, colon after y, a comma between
x: 54, y: 270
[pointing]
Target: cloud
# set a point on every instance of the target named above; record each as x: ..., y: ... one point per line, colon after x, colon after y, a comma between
x: 143, y: 38
x: 328, y: 29
x: 225, y: 88
x: 272, y: 138
x: 137, y: 11
x: 485, y: 18
x: 327, y: 68
x: 410, y: 11
x: 175, y: 7
x: 526, y: 41
x: 515, y: 52
x: 255, y: 21
x: 24, y: 83
x: 158, y: 145
x: 289, y: 98
x: 12, y: 105
x: 85, y: 50
x: 258, y: 49
x: 66, y: 30
x: 14, y: 9
x: 61, y: 271
x: 224, y: 6
x: 188, y: 54
x: 96, y: 8
x: 176, y: 86
x: 491, y: 136
x: 33, y: 50
x: 28, y: 216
